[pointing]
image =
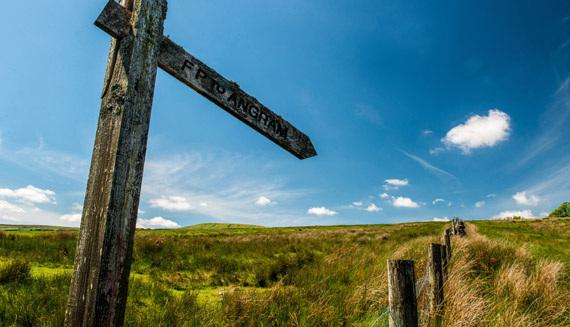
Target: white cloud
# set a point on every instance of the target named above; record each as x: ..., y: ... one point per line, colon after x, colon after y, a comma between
x: 480, y: 131
x: 384, y: 196
x: 27, y: 213
x: 156, y: 222
x: 492, y: 195
x: 479, y: 204
x: 395, y: 183
x: 357, y: 204
x: 321, y: 211
x: 171, y: 203
x: 440, y: 219
x: 373, y: 208
x: 427, y: 132
x: 515, y: 213
x: 29, y: 194
x: 527, y: 200
x: 438, y: 200
x: 8, y: 207
x: 403, y: 202
x: 263, y: 201
x: 71, y: 218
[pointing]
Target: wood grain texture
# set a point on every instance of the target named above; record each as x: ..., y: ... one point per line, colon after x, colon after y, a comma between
x: 402, y: 294
x: 447, y: 243
x: 444, y: 262
x: 435, y: 283
x: 221, y: 91
x: 99, y: 284
x: 114, y: 20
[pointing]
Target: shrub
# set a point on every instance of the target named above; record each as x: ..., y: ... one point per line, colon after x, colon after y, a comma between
x: 562, y: 211
x: 14, y: 271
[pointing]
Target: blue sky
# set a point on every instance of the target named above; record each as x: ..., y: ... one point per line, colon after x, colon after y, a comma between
x: 417, y: 110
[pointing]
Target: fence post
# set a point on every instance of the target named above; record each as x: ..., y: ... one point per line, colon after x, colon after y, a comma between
x: 444, y: 261
x: 402, y: 294
x: 454, y: 226
x: 435, y: 283
x: 461, y: 228
x: 447, y: 242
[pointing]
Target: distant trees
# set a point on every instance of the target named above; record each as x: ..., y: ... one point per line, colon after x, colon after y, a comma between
x: 562, y: 211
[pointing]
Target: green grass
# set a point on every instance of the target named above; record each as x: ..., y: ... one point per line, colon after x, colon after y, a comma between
x: 243, y: 275
x: 549, y: 238
x: 222, y: 275
x: 222, y: 226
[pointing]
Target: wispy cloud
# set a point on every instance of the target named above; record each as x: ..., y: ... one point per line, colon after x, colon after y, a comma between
x: 553, y: 125
x: 369, y: 114
x: 523, y: 198
x: 229, y: 185
x: 395, y: 183
x: 438, y: 172
x: 44, y: 160
x: 552, y: 184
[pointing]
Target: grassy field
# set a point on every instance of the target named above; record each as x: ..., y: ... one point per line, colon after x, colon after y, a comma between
x: 240, y: 275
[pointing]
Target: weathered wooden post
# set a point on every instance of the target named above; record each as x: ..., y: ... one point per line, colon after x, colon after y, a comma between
x: 99, y: 283
x: 98, y: 292
x: 402, y: 294
x: 435, y: 282
x: 447, y: 243
x: 444, y: 261
x: 461, y: 228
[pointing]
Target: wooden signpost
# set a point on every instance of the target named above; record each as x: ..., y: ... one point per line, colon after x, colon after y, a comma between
x: 99, y: 284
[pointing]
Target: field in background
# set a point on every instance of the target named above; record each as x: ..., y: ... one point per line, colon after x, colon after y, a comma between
x: 239, y: 275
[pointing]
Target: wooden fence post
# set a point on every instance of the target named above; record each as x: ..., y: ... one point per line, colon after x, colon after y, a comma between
x: 444, y: 261
x: 435, y: 283
x: 402, y: 294
x: 461, y: 228
x: 447, y: 242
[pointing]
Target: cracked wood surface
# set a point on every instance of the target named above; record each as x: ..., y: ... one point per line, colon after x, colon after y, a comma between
x: 99, y: 285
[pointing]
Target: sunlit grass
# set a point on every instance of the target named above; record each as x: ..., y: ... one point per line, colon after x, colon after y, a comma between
x: 236, y: 275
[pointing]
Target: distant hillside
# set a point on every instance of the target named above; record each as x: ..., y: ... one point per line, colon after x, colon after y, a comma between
x: 221, y: 226
x: 33, y: 228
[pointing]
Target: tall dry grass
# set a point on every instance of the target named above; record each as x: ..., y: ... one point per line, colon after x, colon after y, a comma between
x: 493, y: 283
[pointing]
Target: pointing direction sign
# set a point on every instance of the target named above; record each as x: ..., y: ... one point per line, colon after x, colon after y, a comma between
x: 115, y: 20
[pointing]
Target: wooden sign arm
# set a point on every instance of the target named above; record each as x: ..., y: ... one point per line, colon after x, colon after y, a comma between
x: 115, y: 20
